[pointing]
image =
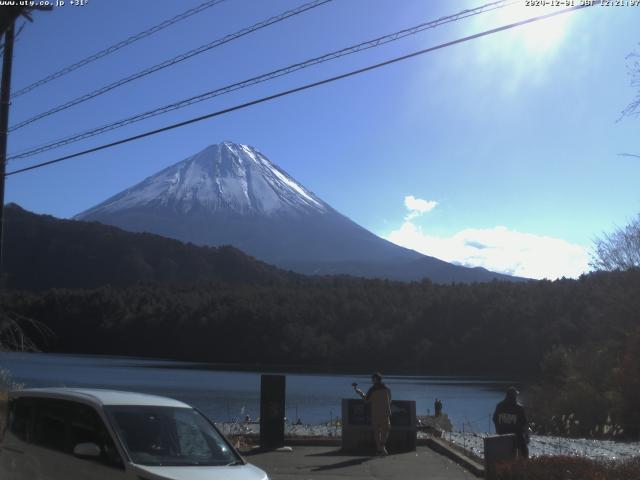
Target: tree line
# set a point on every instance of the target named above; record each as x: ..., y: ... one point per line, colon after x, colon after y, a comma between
x: 579, y: 338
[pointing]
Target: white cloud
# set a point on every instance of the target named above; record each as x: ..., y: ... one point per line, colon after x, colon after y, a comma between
x: 498, y: 249
x: 418, y: 206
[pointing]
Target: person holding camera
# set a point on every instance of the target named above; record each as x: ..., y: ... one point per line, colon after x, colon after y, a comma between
x: 379, y: 396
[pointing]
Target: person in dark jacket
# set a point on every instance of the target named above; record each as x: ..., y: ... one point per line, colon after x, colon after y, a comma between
x: 509, y: 417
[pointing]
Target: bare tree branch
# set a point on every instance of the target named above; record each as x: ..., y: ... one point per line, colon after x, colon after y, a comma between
x: 14, y: 329
x: 633, y: 70
x: 618, y: 250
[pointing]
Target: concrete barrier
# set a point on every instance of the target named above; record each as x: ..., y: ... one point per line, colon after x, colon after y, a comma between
x: 457, y: 455
x: 498, y: 448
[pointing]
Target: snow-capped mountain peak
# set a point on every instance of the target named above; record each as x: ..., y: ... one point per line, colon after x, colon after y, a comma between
x: 231, y: 194
x: 224, y: 177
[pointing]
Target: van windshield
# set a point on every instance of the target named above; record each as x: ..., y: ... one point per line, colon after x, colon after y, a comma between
x: 169, y: 436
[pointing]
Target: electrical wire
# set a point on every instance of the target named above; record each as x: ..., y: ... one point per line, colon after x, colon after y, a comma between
x: 15, y: 38
x: 172, y: 61
x: 299, y: 89
x: 117, y: 46
x: 261, y: 78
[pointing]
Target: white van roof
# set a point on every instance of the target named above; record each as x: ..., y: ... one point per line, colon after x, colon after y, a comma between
x: 100, y: 397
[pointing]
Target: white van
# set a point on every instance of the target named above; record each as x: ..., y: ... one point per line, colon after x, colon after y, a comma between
x: 80, y: 434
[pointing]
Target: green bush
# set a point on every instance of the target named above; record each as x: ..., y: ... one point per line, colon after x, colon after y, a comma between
x: 568, y: 468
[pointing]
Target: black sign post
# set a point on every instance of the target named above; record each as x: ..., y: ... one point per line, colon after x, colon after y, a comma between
x: 272, y: 396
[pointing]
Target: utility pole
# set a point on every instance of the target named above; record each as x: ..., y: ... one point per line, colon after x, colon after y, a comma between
x: 5, y: 100
x: 8, y: 18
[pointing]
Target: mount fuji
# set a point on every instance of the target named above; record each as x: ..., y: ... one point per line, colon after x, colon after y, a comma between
x: 231, y: 194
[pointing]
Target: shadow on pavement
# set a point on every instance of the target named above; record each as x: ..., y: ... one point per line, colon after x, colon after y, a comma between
x: 337, y: 453
x: 347, y: 463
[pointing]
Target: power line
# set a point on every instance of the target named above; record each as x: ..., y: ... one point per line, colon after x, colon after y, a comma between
x: 16, y: 38
x: 259, y: 79
x: 117, y: 46
x: 262, y: 78
x: 172, y: 61
x: 299, y: 89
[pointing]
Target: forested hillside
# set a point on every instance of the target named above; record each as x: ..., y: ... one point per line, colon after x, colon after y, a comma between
x: 42, y: 252
x: 341, y: 323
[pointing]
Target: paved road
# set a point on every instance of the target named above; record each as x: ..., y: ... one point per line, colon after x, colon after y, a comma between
x: 328, y: 463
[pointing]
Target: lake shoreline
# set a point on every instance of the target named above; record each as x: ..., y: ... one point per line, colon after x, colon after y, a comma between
x: 182, y: 364
x: 227, y: 395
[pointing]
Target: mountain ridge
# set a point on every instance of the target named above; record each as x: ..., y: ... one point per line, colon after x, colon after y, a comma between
x: 43, y: 252
x: 232, y: 194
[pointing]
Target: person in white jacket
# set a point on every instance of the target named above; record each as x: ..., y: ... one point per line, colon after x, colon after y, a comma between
x: 379, y: 396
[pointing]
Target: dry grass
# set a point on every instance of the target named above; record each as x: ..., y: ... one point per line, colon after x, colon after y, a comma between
x: 242, y: 442
x: 568, y: 468
x: 14, y: 337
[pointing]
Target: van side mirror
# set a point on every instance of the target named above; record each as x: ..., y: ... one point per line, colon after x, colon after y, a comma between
x: 87, y: 450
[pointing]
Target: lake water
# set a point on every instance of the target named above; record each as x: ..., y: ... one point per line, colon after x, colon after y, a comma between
x: 228, y: 395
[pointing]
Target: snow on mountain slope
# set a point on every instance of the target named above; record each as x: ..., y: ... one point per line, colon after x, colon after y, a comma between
x: 225, y: 177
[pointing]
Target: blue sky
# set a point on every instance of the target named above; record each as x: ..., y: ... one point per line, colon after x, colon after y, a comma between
x: 511, y: 141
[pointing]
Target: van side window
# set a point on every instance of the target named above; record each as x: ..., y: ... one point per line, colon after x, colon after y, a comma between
x: 49, y: 429
x: 85, y: 425
x: 20, y: 419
